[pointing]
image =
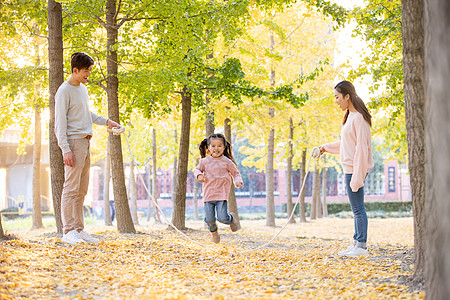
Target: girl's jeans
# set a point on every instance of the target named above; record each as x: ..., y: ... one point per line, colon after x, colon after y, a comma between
x: 221, y: 207
x: 359, y: 213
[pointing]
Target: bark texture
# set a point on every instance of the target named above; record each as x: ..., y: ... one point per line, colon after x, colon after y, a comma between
x: 179, y: 214
x: 270, y: 201
x: 37, y: 216
x: 437, y: 138
x: 56, y: 78
x: 289, y: 172
x: 232, y: 204
x: 124, y: 220
x: 414, y: 90
x: 302, y: 210
x: 155, y: 186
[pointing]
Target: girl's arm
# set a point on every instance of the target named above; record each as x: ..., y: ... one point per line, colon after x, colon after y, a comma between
x: 199, y: 170
x: 361, y: 158
x: 233, y: 170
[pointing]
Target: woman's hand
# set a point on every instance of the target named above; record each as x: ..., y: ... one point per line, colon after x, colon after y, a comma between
x: 240, y: 185
x: 322, y: 150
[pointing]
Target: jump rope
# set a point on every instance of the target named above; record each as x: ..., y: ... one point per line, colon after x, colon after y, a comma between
x: 315, y: 153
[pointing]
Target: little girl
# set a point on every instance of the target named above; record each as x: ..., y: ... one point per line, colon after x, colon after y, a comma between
x: 214, y: 172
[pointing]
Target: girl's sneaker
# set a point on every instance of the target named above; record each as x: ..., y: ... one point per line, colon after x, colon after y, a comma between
x: 356, y: 251
x: 215, y: 237
x: 349, y: 248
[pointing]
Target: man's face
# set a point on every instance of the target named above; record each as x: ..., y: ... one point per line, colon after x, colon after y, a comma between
x: 82, y: 74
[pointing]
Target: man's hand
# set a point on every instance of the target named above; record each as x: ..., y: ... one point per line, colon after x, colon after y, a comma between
x: 111, y: 124
x: 201, y: 178
x: 69, y: 159
x: 240, y: 185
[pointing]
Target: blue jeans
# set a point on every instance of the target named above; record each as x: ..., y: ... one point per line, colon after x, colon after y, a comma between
x: 221, y: 207
x: 359, y: 213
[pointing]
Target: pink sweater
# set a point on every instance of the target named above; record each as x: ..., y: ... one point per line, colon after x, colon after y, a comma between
x: 355, y: 149
x: 217, y: 172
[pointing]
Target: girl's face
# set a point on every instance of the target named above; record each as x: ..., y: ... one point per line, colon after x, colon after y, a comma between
x: 216, y: 147
x: 342, y: 101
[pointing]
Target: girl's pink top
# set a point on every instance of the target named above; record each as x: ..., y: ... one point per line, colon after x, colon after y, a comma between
x: 217, y: 172
x: 355, y: 149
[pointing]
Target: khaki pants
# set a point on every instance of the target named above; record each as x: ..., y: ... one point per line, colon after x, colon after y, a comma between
x: 76, y: 182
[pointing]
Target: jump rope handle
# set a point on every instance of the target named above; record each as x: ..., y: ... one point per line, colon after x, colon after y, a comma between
x: 116, y: 130
x: 315, y: 152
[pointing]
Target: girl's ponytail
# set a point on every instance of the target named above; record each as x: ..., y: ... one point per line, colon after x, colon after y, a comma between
x: 202, y: 147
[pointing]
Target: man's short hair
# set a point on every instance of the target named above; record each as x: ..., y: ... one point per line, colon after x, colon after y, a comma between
x: 80, y: 61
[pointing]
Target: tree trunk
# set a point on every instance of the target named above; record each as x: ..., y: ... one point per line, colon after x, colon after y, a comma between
x: 106, y: 180
x: 209, y: 119
x: 437, y: 138
x: 270, y: 210
x: 318, y: 197
x: 133, y: 192
x: 124, y: 220
x: 314, y: 193
x: 413, y: 74
x: 148, y: 171
x: 155, y: 181
x: 302, y: 210
x: 2, y: 233
x: 174, y: 172
x: 232, y: 203
x: 289, y: 172
x: 56, y: 78
x: 178, y: 218
x: 324, y: 189
x: 37, y: 216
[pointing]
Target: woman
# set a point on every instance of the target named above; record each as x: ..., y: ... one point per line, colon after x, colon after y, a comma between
x: 356, y: 158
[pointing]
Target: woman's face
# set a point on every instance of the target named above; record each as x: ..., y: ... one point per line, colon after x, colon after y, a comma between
x: 342, y: 101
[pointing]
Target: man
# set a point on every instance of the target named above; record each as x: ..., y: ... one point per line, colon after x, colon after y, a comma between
x: 73, y: 128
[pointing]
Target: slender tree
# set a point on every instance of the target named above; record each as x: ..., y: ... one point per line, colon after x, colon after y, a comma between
x: 324, y: 188
x: 37, y: 216
x: 302, y: 211
x: 56, y: 78
x: 124, y: 220
x: 232, y: 194
x: 289, y: 204
x: 155, y: 179
x: 437, y: 149
x: 178, y: 218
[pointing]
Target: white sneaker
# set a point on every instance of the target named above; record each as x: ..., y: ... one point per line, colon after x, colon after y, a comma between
x: 72, y: 237
x: 356, y: 251
x: 87, y: 237
x: 349, y: 248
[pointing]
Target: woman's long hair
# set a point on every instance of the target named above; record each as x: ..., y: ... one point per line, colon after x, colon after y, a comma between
x: 205, y: 143
x: 347, y: 88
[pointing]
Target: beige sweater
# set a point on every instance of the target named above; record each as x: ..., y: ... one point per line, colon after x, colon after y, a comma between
x: 355, y: 149
x: 73, y: 119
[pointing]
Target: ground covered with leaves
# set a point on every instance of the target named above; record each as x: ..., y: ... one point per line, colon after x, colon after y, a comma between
x: 157, y: 263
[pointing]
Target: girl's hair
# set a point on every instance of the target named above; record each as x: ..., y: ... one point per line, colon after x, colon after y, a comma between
x: 205, y: 143
x: 347, y: 88
x: 203, y: 147
x: 80, y: 61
